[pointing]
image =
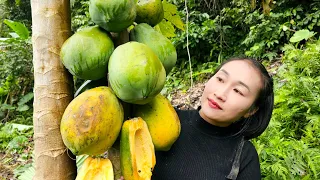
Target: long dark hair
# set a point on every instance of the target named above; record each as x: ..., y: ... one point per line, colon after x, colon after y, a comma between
x: 254, y: 125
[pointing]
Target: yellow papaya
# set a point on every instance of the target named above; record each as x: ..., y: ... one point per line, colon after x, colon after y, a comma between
x: 137, y: 156
x: 162, y: 120
x: 96, y: 169
x: 92, y: 121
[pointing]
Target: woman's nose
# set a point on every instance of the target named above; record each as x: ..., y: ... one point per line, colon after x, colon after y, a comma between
x: 221, y: 94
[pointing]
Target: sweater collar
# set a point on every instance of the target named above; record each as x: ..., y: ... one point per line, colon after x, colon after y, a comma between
x: 198, y: 122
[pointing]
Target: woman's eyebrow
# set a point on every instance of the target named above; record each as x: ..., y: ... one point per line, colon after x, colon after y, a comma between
x: 239, y: 82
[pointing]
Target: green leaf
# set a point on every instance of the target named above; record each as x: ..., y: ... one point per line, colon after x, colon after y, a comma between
x: 17, y: 142
x: 166, y: 28
x: 18, y: 28
x: 176, y: 20
x: 169, y: 8
x: 7, y: 107
x: 23, y: 108
x: 284, y: 28
x: 20, y: 127
x: 172, y: 16
x: 26, y: 98
x: 28, y: 173
x: 302, y: 34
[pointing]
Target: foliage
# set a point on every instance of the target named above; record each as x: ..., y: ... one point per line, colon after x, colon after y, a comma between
x: 16, y: 76
x: 171, y: 20
x: 16, y: 10
x: 80, y: 16
x: 237, y: 29
x: 15, y: 137
x: 289, y: 149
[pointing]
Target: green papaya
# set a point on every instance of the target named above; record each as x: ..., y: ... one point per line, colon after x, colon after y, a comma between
x: 113, y: 15
x: 149, y: 11
x: 136, y: 74
x: 161, y: 45
x: 86, y: 53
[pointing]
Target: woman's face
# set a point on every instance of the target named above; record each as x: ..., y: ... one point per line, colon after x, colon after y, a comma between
x: 230, y: 93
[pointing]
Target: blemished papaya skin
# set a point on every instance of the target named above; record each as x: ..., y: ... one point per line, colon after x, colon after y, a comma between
x: 162, y: 120
x: 96, y: 169
x: 160, y: 45
x: 137, y: 155
x: 150, y: 12
x: 92, y: 122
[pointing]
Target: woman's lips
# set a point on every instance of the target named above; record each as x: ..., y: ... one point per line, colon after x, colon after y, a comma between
x: 213, y: 104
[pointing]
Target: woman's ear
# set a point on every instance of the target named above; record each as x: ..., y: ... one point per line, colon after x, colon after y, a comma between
x: 251, y: 112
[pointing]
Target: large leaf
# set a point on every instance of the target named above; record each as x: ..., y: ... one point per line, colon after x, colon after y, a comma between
x: 166, y: 28
x: 20, y: 127
x: 18, y: 28
x: 26, y: 98
x: 22, y: 108
x: 171, y: 15
x: 301, y: 35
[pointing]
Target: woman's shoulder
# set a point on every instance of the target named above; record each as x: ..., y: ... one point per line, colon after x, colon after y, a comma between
x: 249, y: 148
x: 249, y: 153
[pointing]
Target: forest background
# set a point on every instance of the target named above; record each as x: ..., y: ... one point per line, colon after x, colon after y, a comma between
x: 283, y: 34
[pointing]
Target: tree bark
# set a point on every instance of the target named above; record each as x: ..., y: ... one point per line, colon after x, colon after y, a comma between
x: 52, y: 89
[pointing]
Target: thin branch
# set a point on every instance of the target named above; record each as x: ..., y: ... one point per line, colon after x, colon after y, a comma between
x: 187, y: 33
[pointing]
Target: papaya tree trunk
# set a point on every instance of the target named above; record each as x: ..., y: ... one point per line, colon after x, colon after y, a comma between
x: 52, y: 89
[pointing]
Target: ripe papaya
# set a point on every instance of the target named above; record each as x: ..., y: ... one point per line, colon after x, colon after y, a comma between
x: 161, y: 45
x: 86, y: 53
x: 162, y: 120
x: 96, y: 168
x: 149, y: 11
x: 92, y: 122
x: 113, y: 15
x: 137, y: 156
x: 136, y: 75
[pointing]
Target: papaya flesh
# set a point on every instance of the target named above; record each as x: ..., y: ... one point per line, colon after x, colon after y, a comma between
x: 162, y: 120
x: 96, y: 169
x: 150, y: 12
x: 92, y: 122
x: 137, y: 155
x: 113, y: 15
x: 136, y: 74
x: 86, y: 53
x: 160, y: 45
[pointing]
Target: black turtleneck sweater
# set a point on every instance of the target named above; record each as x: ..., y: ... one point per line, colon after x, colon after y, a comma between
x: 206, y: 152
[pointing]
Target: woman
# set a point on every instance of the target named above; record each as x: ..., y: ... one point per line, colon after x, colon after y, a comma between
x: 236, y: 105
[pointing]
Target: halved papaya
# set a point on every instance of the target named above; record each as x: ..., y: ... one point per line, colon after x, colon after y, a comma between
x: 137, y: 155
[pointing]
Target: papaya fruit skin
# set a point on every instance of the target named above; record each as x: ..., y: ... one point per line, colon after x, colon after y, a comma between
x: 135, y: 73
x: 137, y: 155
x: 113, y: 15
x: 86, y: 53
x: 92, y: 122
x: 150, y: 12
x: 161, y: 45
x: 96, y: 169
x: 162, y: 120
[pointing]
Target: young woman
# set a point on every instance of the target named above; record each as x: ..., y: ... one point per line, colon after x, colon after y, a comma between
x: 236, y: 105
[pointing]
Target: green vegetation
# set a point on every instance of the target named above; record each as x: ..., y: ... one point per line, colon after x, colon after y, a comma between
x: 284, y: 37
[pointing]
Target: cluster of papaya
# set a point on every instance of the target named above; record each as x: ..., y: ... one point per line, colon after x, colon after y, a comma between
x: 120, y: 103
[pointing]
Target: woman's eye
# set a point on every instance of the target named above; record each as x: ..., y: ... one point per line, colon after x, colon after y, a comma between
x: 219, y: 79
x: 237, y: 91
